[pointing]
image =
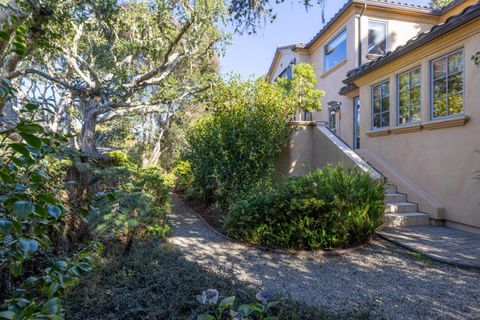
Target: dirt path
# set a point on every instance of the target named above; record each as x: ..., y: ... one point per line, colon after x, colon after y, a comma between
x: 382, y: 278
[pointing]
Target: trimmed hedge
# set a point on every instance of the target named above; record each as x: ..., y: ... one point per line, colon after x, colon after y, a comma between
x: 328, y: 208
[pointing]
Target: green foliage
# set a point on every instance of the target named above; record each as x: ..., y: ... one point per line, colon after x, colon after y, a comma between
x: 131, y: 201
x: 183, y: 176
x: 157, y: 281
x: 117, y: 133
x: 327, y: 208
x: 301, y: 88
x: 120, y: 159
x: 33, y: 215
x: 221, y: 308
x: 234, y: 146
x: 439, y: 4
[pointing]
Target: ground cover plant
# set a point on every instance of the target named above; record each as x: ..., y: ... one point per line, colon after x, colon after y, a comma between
x: 156, y: 281
x: 48, y: 239
x: 131, y: 202
x: 328, y: 208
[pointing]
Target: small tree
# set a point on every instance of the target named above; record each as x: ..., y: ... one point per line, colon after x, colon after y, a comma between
x: 234, y: 145
x: 439, y: 4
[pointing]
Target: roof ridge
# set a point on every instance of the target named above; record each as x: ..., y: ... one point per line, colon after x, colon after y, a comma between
x: 291, y: 45
x: 406, y: 4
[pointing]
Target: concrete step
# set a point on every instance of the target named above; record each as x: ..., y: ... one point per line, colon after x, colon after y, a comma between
x: 390, y: 188
x: 400, y: 207
x: 395, y: 197
x: 406, y: 219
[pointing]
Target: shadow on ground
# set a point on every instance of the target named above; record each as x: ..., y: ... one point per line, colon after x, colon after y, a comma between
x: 390, y: 282
x: 155, y: 281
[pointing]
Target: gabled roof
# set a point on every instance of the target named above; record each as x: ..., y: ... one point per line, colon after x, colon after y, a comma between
x: 377, y: 3
x: 277, y: 52
x: 382, y: 3
x: 453, y: 22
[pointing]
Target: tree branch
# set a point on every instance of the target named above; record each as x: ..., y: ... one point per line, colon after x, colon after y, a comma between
x: 170, y: 57
x: 72, y: 62
x: 51, y: 78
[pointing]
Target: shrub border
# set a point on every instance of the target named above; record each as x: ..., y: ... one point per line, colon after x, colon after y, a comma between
x: 299, y: 253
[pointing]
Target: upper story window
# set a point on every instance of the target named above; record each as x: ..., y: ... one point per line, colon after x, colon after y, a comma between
x: 381, y: 105
x: 288, y: 71
x: 377, y: 37
x: 447, y: 85
x: 409, y: 97
x: 336, y: 50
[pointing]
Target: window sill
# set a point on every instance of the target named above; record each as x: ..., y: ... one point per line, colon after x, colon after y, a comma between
x: 336, y: 67
x: 446, y: 123
x: 407, y: 128
x: 378, y: 133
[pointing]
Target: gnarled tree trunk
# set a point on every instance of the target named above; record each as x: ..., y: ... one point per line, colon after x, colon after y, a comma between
x: 87, y: 134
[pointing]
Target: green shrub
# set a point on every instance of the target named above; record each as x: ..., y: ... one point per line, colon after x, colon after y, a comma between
x: 131, y: 202
x: 36, y: 267
x: 235, y: 145
x: 183, y: 176
x: 151, y: 179
x: 120, y: 158
x: 327, y: 208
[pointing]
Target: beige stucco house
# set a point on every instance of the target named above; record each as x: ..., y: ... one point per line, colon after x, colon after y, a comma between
x: 403, y: 98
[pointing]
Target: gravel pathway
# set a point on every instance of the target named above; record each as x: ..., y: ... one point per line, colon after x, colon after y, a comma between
x: 386, y: 280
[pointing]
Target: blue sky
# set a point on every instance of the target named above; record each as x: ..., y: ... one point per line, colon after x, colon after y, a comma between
x: 252, y: 54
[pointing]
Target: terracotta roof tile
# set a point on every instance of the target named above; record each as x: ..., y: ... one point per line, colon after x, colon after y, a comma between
x: 451, y: 23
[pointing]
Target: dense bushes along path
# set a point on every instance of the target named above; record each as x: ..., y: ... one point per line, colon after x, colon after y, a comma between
x: 381, y: 278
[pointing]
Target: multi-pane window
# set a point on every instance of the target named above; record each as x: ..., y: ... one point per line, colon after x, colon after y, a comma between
x: 381, y: 105
x: 409, y: 100
x: 377, y: 37
x: 336, y: 50
x: 447, y: 85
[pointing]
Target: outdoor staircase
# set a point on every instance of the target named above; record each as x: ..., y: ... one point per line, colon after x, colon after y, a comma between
x: 399, y: 212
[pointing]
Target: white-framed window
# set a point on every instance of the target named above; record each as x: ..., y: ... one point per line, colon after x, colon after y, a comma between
x: 381, y: 105
x: 447, y: 85
x: 377, y: 37
x: 409, y: 96
x: 335, y: 51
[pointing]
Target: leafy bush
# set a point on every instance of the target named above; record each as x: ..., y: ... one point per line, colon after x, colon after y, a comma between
x: 35, y: 269
x: 327, y: 208
x: 183, y: 176
x: 234, y: 145
x: 120, y: 158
